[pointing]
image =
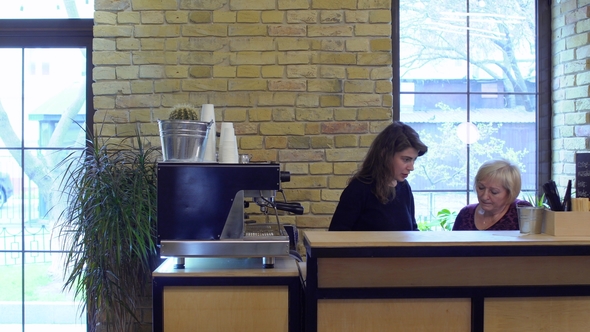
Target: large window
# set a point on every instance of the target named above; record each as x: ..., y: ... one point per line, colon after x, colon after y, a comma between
x: 468, y: 84
x: 46, y: 9
x: 45, y: 104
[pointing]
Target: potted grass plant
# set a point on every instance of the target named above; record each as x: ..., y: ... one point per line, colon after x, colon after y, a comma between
x: 108, y: 229
x: 530, y: 218
x: 537, y: 201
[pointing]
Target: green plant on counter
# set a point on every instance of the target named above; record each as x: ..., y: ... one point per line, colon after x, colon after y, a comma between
x: 108, y: 228
x: 183, y: 112
x: 536, y: 201
x: 444, y: 220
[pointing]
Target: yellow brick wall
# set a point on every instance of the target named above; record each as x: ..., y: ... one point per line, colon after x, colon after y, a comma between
x: 307, y: 83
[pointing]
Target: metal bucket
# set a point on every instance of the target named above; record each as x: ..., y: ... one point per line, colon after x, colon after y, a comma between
x: 183, y: 140
x: 530, y: 219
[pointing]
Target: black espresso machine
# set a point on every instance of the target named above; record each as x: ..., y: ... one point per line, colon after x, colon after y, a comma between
x: 201, y: 211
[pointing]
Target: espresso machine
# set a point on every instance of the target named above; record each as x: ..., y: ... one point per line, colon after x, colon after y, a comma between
x: 201, y: 211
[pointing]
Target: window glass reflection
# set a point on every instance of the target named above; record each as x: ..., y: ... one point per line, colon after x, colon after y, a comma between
x: 468, y: 85
x: 39, y: 9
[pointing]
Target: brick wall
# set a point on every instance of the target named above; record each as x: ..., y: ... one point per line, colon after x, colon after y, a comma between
x: 571, y: 85
x: 307, y: 83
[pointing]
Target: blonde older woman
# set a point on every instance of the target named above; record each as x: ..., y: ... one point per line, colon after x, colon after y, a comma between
x: 497, y: 184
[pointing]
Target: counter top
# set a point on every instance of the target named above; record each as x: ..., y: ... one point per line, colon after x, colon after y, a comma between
x: 442, y: 243
x: 323, y: 239
x: 227, y: 267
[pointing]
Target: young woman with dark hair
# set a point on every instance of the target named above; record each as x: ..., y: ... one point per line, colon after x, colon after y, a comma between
x: 378, y: 197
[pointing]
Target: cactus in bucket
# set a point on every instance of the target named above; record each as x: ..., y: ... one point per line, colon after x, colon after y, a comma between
x: 183, y: 136
x: 183, y: 112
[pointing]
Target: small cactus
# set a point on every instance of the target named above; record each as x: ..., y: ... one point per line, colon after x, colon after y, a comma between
x: 183, y: 112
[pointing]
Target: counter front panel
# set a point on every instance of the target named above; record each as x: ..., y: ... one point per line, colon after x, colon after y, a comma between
x: 227, y: 294
x: 464, y: 281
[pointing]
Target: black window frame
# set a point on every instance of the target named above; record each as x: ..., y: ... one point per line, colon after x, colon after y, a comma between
x: 52, y: 33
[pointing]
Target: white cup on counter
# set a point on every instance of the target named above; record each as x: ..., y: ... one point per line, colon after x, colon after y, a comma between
x: 207, y: 115
x: 228, y: 145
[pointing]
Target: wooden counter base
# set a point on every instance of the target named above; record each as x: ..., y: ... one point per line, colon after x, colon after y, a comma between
x: 453, y: 271
x: 352, y: 315
x: 537, y: 314
x: 227, y: 294
x: 446, y: 281
x: 226, y: 308
x: 453, y: 315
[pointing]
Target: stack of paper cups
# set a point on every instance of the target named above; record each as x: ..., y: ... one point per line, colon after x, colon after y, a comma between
x: 208, y: 115
x: 228, y: 145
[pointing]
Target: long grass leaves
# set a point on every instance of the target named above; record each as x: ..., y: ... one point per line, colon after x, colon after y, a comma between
x: 109, y: 228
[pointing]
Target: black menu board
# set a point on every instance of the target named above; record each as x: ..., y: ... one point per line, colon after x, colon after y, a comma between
x: 583, y: 174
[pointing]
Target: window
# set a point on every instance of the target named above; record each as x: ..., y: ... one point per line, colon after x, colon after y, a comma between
x: 468, y: 83
x: 45, y: 102
x: 46, y: 9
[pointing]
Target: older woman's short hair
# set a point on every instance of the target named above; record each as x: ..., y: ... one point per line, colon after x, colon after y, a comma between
x: 503, y: 170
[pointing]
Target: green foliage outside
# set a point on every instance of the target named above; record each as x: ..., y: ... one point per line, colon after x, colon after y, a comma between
x: 443, y: 222
x: 445, y: 148
x: 39, y: 284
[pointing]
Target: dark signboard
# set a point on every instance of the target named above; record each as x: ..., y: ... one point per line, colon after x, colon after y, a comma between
x: 583, y: 174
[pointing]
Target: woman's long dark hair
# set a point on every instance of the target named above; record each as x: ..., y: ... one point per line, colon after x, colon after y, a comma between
x: 376, y: 167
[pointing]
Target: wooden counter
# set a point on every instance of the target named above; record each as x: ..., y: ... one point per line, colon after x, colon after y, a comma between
x: 446, y: 281
x: 227, y: 294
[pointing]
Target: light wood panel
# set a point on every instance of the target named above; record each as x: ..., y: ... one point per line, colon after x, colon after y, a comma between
x: 453, y: 271
x: 555, y: 314
x: 570, y: 223
x: 416, y: 315
x: 226, y: 308
x: 322, y: 239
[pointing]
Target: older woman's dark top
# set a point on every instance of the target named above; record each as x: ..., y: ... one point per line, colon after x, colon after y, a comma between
x: 465, y: 220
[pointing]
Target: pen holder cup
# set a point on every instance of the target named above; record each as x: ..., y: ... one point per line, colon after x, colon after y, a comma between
x: 568, y: 223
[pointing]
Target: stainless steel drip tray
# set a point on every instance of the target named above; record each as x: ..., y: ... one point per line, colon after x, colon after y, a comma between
x: 264, y: 231
x: 260, y: 240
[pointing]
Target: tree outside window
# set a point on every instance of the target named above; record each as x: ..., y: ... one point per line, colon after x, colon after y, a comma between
x: 44, y: 77
x: 468, y: 86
